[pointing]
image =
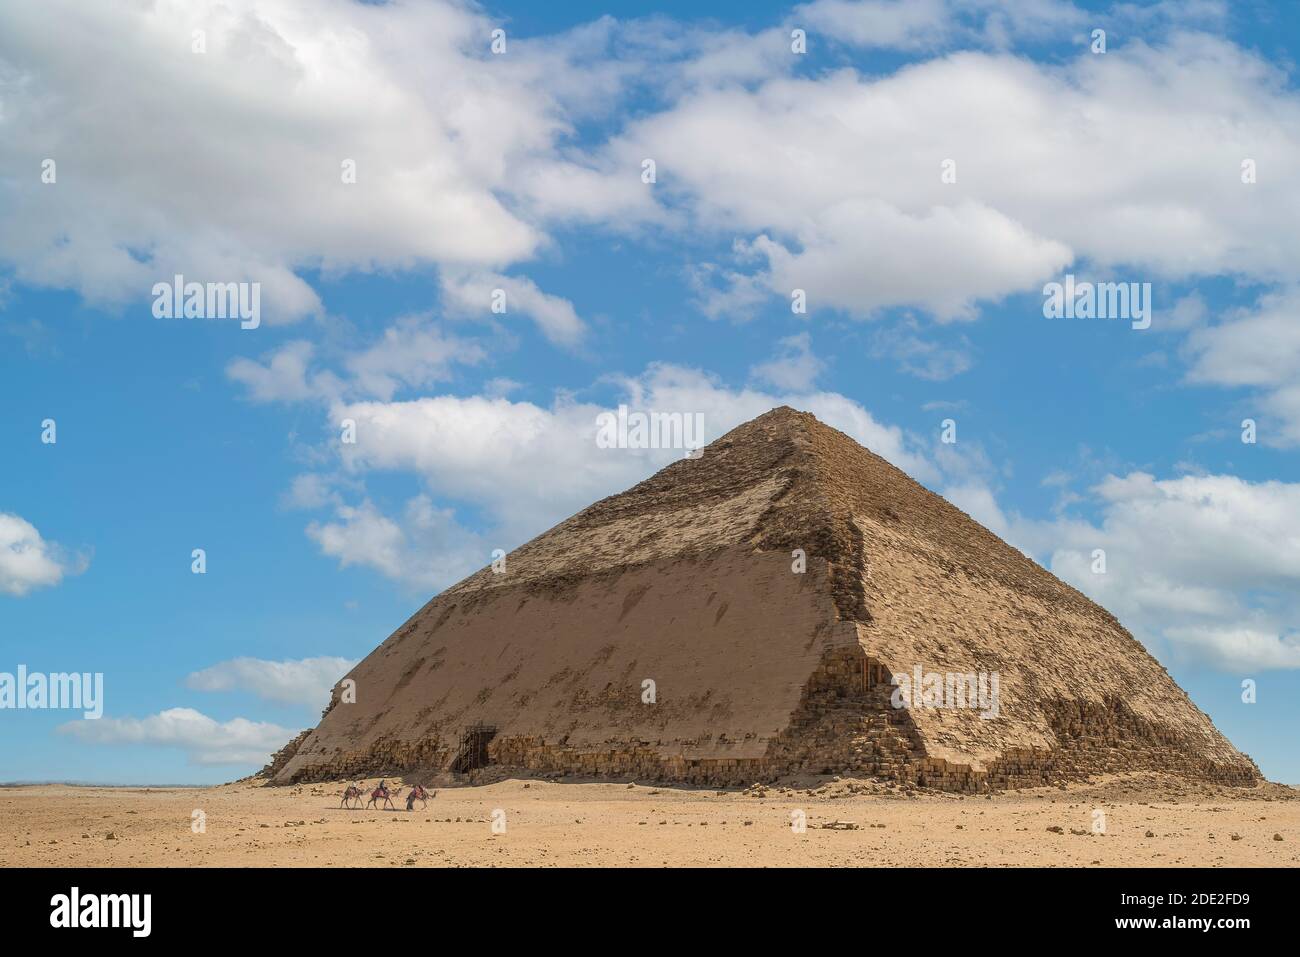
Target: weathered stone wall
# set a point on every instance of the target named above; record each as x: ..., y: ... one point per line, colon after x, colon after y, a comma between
x: 847, y: 725
x: 562, y: 674
x: 844, y: 724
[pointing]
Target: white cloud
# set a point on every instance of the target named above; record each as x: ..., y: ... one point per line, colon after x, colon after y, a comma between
x: 1213, y: 528
x: 794, y: 367
x: 413, y: 353
x: 1237, y: 649
x: 437, y: 126
x: 522, y: 467
x: 832, y: 183
x: 501, y: 386
x: 1257, y: 348
x: 425, y: 549
x: 920, y: 25
x: 528, y: 467
x: 28, y: 561
x: 861, y: 256
x: 885, y: 24
x: 305, y: 681
x: 284, y: 376
x: 829, y: 182
x: 1188, y: 312
x: 311, y: 490
x: 471, y: 294
x: 1253, y: 347
x: 204, y: 740
x: 1207, y: 564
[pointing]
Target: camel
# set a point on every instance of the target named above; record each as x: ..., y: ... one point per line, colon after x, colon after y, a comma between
x: 381, y: 793
x: 353, y: 792
x: 418, y: 793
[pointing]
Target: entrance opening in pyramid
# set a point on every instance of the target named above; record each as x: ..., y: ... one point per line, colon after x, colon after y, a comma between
x: 472, y: 750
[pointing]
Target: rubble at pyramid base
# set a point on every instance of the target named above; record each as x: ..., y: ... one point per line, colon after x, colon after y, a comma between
x: 844, y: 726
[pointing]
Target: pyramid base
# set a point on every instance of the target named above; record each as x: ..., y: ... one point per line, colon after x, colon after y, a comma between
x: 845, y: 724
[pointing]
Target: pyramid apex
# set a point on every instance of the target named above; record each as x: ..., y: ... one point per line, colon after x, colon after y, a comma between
x: 785, y: 413
x: 782, y: 420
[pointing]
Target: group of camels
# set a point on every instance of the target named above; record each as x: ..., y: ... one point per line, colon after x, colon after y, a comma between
x: 355, y: 792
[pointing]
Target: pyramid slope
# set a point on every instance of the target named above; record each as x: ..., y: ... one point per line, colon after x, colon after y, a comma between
x: 950, y: 596
x: 686, y: 580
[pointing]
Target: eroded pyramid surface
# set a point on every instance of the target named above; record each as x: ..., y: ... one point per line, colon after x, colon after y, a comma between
x: 666, y: 633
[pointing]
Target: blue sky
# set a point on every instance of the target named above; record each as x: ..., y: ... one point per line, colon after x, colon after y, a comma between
x: 522, y: 171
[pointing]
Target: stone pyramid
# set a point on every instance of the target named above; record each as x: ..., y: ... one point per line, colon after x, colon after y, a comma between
x: 788, y: 602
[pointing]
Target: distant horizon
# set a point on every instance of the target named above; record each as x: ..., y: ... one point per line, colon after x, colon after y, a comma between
x: 98, y: 784
x: 657, y: 784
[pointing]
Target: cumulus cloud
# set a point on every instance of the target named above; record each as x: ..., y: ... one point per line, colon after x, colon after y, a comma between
x: 304, y: 681
x: 861, y: 256
x: 794, y: 367
x: 922, y: 25
x: 832, y: 183
x: 1252, y: 347
x: 283, y: 375
x: 823, y: 181
x: 1208, y: 565
x: 519, y: 467
x: 406, y: 95
x: 1235, y: 649
x: 28, y: 561
x: 204, y: 740
x: 529, y: 466
x: 472, y: 294
x: 426, y: 548
x: 1257, y: 348
x: 413, y: 353
x: 311, y: 490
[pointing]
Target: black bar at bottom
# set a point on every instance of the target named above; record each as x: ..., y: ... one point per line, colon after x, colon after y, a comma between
x: 355, y: 906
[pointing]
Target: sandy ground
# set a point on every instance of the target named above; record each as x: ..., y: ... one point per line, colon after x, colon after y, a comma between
x: 1148, y: 821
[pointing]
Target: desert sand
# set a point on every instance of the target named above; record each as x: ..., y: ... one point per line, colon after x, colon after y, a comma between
x: 1149, y: 820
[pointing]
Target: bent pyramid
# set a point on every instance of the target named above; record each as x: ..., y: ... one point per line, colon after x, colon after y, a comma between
x: 668, y: 633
